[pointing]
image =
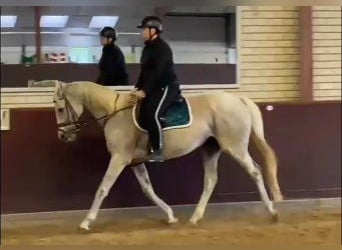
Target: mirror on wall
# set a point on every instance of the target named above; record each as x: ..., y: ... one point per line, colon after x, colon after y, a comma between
x: 197, y: 35
x: 202, y: 38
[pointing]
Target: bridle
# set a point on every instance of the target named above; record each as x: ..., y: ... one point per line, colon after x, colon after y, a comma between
x: 73, y: 118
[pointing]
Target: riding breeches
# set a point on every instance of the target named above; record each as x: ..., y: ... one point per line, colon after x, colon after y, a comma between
x: 152, y: 108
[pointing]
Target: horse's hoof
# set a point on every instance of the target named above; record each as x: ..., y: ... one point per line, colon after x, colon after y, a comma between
x: 84, y: 227
x: 275, y: 218
x: 193, y: 223
x: 173, y: 221
x: 169, y: 222
x: 83, y: 230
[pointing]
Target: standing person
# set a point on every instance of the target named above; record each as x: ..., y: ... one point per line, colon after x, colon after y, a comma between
x: 157, y: 86
x: 112, y: 64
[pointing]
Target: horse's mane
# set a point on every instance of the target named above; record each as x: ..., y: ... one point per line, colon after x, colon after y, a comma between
x: 94, y: 95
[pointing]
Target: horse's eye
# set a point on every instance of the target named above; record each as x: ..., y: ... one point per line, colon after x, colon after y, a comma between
x: 60, y: 110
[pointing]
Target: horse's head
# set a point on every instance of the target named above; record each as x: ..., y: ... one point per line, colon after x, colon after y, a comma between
x: 68, y: 109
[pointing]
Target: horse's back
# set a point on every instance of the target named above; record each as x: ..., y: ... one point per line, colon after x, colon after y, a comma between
x: 217, y: 101
x: 223, y: 112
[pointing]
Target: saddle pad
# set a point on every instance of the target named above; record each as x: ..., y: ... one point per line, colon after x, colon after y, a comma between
x: 178, y: 115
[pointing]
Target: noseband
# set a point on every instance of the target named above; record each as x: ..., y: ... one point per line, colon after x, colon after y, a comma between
x: 72, y: 118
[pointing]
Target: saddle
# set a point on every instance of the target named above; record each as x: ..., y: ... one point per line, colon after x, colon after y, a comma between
x: 178, y: 115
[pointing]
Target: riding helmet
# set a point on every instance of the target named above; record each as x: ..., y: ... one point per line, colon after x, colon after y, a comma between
x: 108, y: 32
x: 151, y: 22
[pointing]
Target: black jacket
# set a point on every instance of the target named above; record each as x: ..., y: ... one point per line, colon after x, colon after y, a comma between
x: 112, y: 67
x: 157, y: 69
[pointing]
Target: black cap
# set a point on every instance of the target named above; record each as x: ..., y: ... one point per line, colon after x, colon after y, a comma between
x: 151, y: 22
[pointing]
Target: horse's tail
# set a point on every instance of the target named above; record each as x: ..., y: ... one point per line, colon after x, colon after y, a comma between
x: 268, y: 155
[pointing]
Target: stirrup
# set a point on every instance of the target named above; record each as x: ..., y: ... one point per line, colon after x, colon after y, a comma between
x: 155, y: 156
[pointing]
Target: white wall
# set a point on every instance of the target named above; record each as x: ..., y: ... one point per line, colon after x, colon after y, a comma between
x: 12, y: 55
x: 327, y: 58
x: 269, y: 53
x: 200, y: 52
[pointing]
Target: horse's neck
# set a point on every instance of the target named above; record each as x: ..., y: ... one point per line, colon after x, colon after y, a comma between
x: 106, y: 103
x: 122, y: 101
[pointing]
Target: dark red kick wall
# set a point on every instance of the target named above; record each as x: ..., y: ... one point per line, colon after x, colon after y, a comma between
x: 40, y: 173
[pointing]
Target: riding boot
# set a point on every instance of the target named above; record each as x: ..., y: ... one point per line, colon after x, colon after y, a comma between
x: 155, y: 156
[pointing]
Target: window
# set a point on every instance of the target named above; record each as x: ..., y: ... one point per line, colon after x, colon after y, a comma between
x: 80, y: 55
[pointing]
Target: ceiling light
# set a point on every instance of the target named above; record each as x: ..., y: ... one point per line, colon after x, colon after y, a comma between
x: 53, y: 21
x: 8, y: 21
x: 102, y: 21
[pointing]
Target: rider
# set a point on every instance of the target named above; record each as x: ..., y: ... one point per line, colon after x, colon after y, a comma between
x: 157, y: 86
x: 112, y: 63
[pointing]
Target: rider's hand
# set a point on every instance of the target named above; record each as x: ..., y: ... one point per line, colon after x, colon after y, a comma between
x: 135, y: 96
x: 140, y: 94
x: 133, y: 91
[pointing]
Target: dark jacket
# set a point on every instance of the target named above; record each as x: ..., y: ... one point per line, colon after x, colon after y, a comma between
x: 157, y: 69
x: 112, y: 67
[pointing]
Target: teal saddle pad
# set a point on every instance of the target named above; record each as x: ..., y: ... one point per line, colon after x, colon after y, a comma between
x: 178, y: 115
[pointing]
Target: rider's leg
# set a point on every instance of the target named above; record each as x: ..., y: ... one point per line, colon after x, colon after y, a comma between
x: 173, y: 94
x: 148, y: 109
x: 156, y: 104
x: 155, y: 129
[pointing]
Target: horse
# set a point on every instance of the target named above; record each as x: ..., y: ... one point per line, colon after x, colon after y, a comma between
x: 221, y: 123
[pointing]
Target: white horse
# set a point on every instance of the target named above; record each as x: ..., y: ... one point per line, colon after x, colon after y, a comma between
x: 221, y: 123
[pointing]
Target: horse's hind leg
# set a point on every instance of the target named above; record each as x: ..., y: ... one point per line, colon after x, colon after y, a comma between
x: 242, y: 155
x: 211, y: 154
x: 141, y: 173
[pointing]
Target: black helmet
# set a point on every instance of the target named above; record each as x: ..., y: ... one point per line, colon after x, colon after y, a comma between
x: 108, y: 32
x: 151, y: 22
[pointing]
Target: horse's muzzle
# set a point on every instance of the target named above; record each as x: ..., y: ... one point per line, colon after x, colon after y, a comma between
x: 67, y: 135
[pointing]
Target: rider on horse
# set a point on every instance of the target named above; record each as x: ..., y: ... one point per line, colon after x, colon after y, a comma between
x: 112, y: 63
x: 157, y: 87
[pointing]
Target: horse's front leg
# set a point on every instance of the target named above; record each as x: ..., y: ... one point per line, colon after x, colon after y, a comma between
x: 116, y: 165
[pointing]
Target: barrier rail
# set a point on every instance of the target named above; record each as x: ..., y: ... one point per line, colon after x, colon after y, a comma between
x: 41, y: 97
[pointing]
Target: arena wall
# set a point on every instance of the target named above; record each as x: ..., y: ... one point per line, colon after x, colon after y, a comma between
x: 41, y: 173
